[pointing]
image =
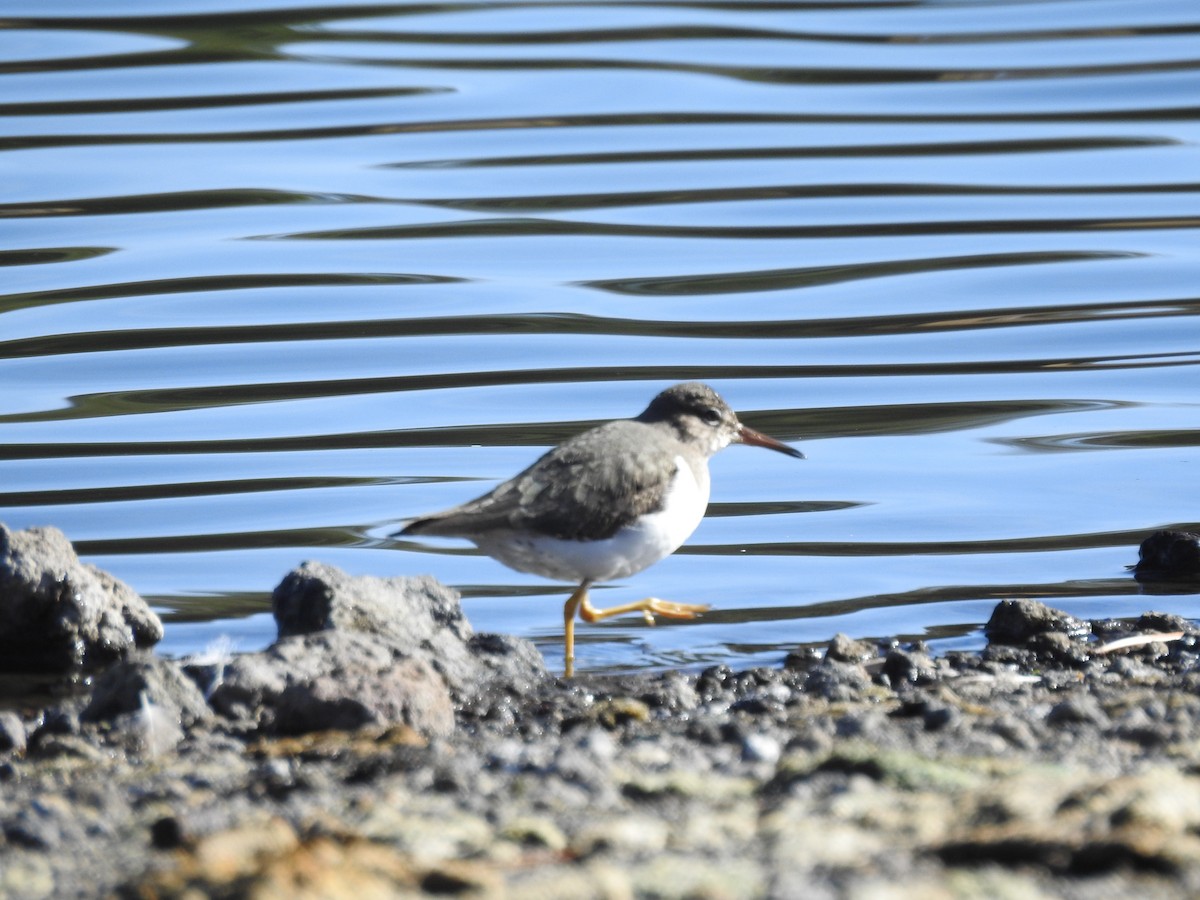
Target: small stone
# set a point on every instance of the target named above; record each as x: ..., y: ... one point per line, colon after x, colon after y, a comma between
x: 939, y: 716
x: 1078, y: 709
x: 1158, y: 622
x: 1016, y: 621
x: 802, y: 659
x: 56, y: 720
x: 673, y: 693
x: 761, y: 748
x: 838, y: 681
x: 845, y: 649
x: 624, y: 834
x: 908, y: 667
x: 535, y: 832
x: 1059, y: 648
x: 12, y: 733
x: 617, y: 711
x: 166, y: 833
x: 713, y: 682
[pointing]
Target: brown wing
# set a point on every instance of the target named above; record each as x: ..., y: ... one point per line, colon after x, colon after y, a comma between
x: 587, y: 488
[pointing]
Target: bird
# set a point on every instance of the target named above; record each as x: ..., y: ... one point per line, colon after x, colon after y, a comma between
x: 606, y: 503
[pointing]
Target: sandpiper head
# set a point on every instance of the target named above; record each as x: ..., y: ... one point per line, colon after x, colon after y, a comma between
x: 700, y: 417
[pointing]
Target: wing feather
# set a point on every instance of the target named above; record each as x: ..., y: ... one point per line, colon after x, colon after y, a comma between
x: 580, y: 490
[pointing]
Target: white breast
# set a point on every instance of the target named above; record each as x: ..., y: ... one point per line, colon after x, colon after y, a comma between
x: 627, y: 552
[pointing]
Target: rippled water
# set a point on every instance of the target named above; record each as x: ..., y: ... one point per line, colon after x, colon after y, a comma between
x: 279, y: 276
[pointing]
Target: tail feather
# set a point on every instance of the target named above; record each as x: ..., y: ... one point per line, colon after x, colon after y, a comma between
x: 416, y: 526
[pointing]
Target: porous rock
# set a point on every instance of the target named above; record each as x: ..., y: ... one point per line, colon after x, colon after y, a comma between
x: 835, y: 680
x: 415, y: 617
x: 143, y: 681
x: 843, y: 648
x: 12, y: 732
x: 908, y: 667
x: 1017, y: 621
x: 407, y: 692
x: 59, y: 614
x: 358, y: 651
x: 333, y: 679
x: 1168, y: 554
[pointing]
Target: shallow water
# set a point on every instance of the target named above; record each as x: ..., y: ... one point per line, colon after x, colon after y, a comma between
x: 278, y: 277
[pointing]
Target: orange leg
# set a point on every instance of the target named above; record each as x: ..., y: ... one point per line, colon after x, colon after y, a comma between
x: 573, y: 603
x: 649, y: 608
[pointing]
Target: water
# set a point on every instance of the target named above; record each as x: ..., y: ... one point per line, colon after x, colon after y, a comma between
x: 280, y: 276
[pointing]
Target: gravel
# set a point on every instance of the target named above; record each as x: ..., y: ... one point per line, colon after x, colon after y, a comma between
x: 368, y: 754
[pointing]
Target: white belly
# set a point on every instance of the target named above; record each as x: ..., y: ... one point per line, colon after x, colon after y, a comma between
x: 627, y: 552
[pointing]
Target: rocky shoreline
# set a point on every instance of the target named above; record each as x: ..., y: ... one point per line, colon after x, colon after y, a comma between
x: 381, y: 748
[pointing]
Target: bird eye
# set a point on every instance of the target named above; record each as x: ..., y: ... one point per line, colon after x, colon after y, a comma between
x: 711, y: 416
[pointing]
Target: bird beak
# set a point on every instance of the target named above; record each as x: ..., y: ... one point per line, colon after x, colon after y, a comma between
x: 758, y: 439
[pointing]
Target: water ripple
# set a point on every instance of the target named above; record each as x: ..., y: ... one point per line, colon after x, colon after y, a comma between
x: 277, y: 278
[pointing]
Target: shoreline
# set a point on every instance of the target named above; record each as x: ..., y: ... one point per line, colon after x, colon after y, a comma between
x: 381, y: 747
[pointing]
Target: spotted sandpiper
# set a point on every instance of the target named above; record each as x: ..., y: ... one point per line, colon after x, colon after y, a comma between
x: 607, y: 503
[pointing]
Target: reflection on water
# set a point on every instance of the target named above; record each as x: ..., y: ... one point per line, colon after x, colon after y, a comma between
x: 277, y: 277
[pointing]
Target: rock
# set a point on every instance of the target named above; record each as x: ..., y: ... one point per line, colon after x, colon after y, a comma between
x: 506, y: 658
x: 1059, y: 648
x: 143, y: 681
x: 846, y: 649
x: 1078, y: 709
x: 1168, y: 554
x: 333, y: 679
x: 408, y: 692
x: 61, y: 615
x: 801, y: 659
x: 713, y: 682
x: 149, y: 702
x: 837, y: 681
x: 908, y: 667
x: 364, y: 651
x: 319, y: 597
x: 417, y: 617
x: 761, y: 748
x: 1158, y: 622
x: 57, y: 720
x: 12, y: 733
x: 937, y: 716
x: 1016, y: 621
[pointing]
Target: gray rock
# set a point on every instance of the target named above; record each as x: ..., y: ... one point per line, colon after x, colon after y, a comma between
x: 1161, y: 621
x: 407, y: 692
x: 506, y: 658
x: 143, y: 682
x: 761, y: 748
x: 845, y: 649
x: 57, y: 720
x: 838, y: 681
x: 1168, y: 555
x: 908, y: 667
x: 1016, y: 621
x: 61, y: 615
x: 333, y: 680
x: 1078, y: 709
x: 363, y: 651
x: 252, y: 683
x: 152, y: 731
x: 320, y: 597
x: 12, y: 733
x: 417, y: 617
